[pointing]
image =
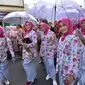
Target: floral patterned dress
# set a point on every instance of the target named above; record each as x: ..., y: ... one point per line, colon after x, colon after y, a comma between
x: 48, y: 46
x: 29, y: 61
x: 68, y: 57
x: 47, y: 50
x: 81, y: 71
x: 5, y: 44
x: 32, y: 35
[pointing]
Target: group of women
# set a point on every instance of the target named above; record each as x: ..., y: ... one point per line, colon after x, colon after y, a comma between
x: 65, y: 41
x: 70, y: 58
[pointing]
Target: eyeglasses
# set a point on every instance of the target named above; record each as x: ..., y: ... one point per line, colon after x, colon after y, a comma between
x: 27, y: 24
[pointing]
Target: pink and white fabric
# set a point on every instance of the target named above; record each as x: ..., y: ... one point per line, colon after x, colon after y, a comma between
x: 5, y: 44
x: 32, y: 35
x: 68, y: 51
x: 12, y: 35
x: 48, y: 45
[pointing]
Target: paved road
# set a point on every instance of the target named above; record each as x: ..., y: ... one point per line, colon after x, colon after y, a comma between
x: 18, y: 76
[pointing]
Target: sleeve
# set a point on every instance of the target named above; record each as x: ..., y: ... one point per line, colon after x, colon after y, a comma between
x: 51, y: 39
x: 34, y: 40
x: 63, y: 52
x: 70, y: 52
x: 9, y: 44
x: 74, y: 56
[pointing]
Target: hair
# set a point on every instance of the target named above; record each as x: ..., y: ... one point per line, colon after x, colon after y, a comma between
x: 45, y: 21
x: 20, y: 26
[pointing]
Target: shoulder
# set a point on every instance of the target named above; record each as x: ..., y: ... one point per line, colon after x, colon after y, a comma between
x: 32, y: 32
x: 51, y: 32
x: 71, y: 38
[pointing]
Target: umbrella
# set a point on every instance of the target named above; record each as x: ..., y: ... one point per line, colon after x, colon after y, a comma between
x: 71, y: 13
x: 47, y: 12
x: 18, y: 17
x: 36, y: 7
x: 49, y: 9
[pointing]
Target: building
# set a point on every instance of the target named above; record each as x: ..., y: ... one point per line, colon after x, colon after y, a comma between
x: 11, y: 5
x: 26, y: 8
x: 7, y: 6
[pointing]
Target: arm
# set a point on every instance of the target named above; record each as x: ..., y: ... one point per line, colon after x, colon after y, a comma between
x: 74, y: 55
x: 9, y: 45
x: 70, y: 54
x: 71, y: 63
x: 34, y: 41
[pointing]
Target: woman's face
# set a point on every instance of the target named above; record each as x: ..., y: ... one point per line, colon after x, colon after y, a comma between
x: 83, y: 24
x: 27, y: 26
x: 42, y: 28
x: 63, y: 28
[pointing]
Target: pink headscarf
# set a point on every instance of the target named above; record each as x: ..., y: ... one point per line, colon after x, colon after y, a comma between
x: 82, y: 30
x: 31, y: 25
x: 46, y: 27
x: 57, y: 27
x: 69, y: 25
x: 1, y: 32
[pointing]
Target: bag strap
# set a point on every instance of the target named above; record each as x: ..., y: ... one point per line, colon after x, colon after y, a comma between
x: 81, y: 37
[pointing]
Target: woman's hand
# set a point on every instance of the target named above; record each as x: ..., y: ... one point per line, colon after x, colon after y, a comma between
x: 70, y: 78
x: 76, y: 32
x: 54, y: 37
x: 24, y: 45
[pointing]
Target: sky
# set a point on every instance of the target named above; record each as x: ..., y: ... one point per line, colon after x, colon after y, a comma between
x: 80, y: 2
x: 28, y: 2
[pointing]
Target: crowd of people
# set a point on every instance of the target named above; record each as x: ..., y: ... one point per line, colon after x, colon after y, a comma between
x: 61, y: 49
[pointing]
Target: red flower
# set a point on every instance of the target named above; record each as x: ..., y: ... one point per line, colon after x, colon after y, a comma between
x: 66, y: 47
x: 68, y: 54
x: 66, y: 67
x: 48, y: 54
x: 71, y: 71
x: 74, y: 59
x: 75, y: 41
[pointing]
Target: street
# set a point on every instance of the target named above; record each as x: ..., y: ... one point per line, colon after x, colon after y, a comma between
x: 18, y: 76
